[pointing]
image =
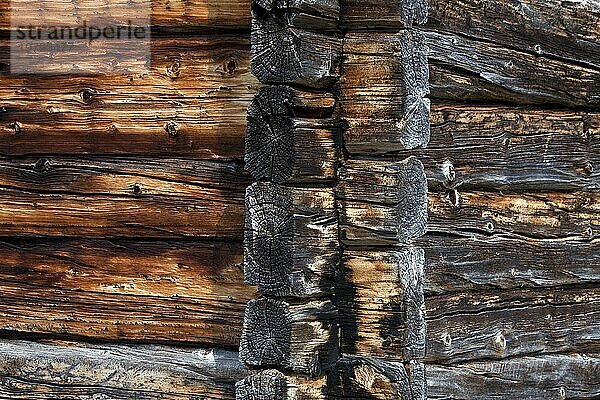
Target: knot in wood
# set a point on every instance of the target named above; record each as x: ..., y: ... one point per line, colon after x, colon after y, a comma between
x: 17, y: 127
x: 172, y: 129
x: 42, y: 165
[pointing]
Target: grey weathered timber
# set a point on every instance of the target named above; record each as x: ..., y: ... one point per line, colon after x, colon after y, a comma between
x: 383, y: 91
x: 464, y: 326
x: 301, y: 338
x: 543, y: 215
x: 360, y: 378
x: 290, y: 240
x: 481, y: 262
x: 537, y: 377
x: 32, y: 371
x: 553, y: 28
x: 508, y: 148
x: 275, y: 385
x: 381, y: 304
x: 284, y: 51
x: 464, y: 69
x: 284, y: 140
x: 382, y: 202
x: 370, y: 14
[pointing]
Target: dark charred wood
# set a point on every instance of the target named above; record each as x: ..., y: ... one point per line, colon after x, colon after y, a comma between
x: 381, y: 304
x: 291, y: 243
x: 382, y: 91
x: 382, y: 202
x: 300, y: 338
x: 281, y: 145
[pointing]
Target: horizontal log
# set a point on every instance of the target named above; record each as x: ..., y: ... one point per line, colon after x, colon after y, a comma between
x: 284, y: 140
x: 382, y: 202
x: 30, y: 370
x: 459, y: 264
x: 382, y: 91
x: 501, y: 324
x: 275, y: 385
x: 464, y: 69
x: 497, y: 147
x: 380, y: 301
x: 290, y: 240
x: 130, y: 290
x: 357, y: 378
x: 319, y: 15
x: 539, y: 377
x: 212, y: 14
x: 284, y: 53
x: 112, y: 197
x: 192, y: 102
x: 533, y: 27
x: 301, y: 338
x: 370, y: 14
x: 534, y: 215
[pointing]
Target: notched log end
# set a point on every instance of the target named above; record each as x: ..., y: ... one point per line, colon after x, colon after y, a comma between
x: 267, y: 334
x: 411, y: 266
x: 268, y: 236
x: 265, y: 385
x: 412, y: 208
x: 270, y: 135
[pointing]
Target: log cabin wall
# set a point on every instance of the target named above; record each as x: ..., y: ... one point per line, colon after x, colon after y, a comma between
x: 127, y: 202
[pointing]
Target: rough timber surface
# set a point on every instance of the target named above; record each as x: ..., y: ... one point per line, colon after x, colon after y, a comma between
x: 535, y: 377
x: 369, y: 14
x: 66, y: 370
x: 274, y: 385
x: 132, y: 290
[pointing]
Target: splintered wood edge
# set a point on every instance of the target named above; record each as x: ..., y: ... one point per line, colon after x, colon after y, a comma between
x: 298, y: 338
x: 275, y: 385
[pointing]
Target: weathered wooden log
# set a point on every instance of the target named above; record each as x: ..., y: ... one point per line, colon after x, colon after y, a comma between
x: 192, y: 102
x: 464, y: 69
x: 536, y: 377
x: 291, y: 240
x: 301, y: 338
x: 511, y: 148
x: 30, y: 370
x: 359, y: 378
x: 533, y: 215
x: 382, y: 202
x: 275, y: 385
x: 501, y: 324
x: 150, y: 291
x: 553, y: 28
x: 369, y: 14
x: 459, y: 264
x: 380, y: 300
x: 382, y: 91
x: 168, y: 15
x: 284, y: 51
x: 283, y: 143
x: 116, y: 197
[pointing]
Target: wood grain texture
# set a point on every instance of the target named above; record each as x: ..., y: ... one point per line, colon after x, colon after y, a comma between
x: 151, y: 291
x: 360, y: 378
x: 510, y: 323
x: 380, y: 300
x: 288, y: 137
x: 30, y: 370
x: 465, y: 69
x: 557, y: 29
x: 530, y: 215
x: 537, y: 377
x: 481, y: 262
x: 382, y: 202
x: 275, y: 385
x: 290, y: 240
x: 117, y: 197
x: 192, y: 102
x: 507, y: 148
x: 300, y: 338
x: 383, y: 91
x: 370, y: 14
